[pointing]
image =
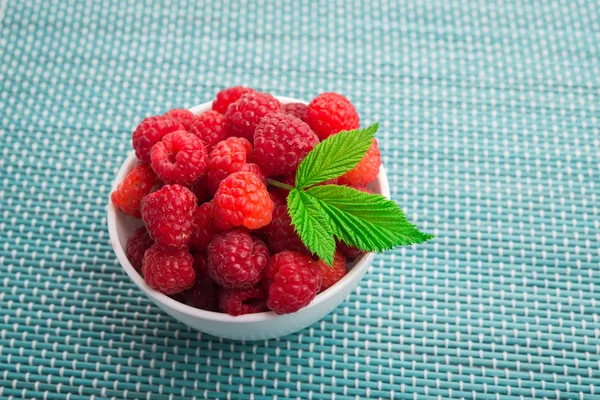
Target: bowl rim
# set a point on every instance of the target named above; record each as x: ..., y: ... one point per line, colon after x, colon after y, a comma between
x: 361, y: 264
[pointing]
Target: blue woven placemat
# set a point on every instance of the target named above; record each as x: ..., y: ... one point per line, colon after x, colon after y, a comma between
x: 490, y: 133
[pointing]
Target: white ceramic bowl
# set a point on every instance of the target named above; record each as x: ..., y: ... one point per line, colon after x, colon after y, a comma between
x: 258, y: 326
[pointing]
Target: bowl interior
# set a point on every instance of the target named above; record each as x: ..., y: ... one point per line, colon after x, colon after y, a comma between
x: 121, y: 227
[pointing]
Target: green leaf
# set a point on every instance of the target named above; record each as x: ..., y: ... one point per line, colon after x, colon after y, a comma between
x: 367, y: 221
x: 335, y: 156
x: 312, y: 224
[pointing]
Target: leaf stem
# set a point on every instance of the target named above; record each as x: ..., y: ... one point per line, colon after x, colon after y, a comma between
x: 280, y: 185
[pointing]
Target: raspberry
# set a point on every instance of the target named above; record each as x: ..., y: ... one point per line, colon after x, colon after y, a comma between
x: 280, y: 233
x: 150, y: 132
x: 330, y: 113
x: 205, y: 292
x: 298, y: 110
x: 351, y: 253
x: 200, y: 264
x: 169, y: 272
x: 200, y: 189
x: 178, y: 297
x: 168, y: 215
x: 179, y: 158
x: 129, y: 194
x: 281, y: 141
x: 209, y: 127
x: 243, y: 301
x: 251, y: 167
x: 227, y: 96
x: 362, y: 189
x: 137, y: 244
x: 183, y: 116
x: 293, y: 280
x: 332, y: 274
x: 236, y: 259
x: 243, y: 116
x: 279, y: 197
x: 204, y: 229
x: 366, y: 170
x: 242, y: 200
x: 227, y: 157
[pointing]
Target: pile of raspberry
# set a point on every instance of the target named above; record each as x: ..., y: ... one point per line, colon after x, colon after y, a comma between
x: 215, y: 236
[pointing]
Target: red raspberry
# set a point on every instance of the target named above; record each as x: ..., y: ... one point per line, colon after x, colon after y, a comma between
x: 169, y: 272
x: 251, y: 167
x: 209, y: 127
x: 179, y: 158
x: 298, y: 110
x: 236, y: 259
x: 280, y: 233
x: 200, y: 264
x: 243, y: 301
x: 279, y: 197
x: 129, y: 194
x: 293, y: 280
x: 150, y: 132
x: 366, y: 170
x: 362, y: 189
x: 351, y: 253
x: 169, y: 215
x: 200, y: 189
x: 332, y: 274
x: 204, y: 229
x: 281, y: 141
x: 243, y: 116
x: 203, y: 295
x: 137, y: 244
x: 178, y: 297
x: 227, y: 96
x: 242, y: 200
x: 227, y: 157
x: 205, y: 292
x: 183, y: 116
x: 330, y: 113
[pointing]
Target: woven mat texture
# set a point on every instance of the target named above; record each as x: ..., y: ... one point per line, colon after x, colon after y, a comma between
x: 491, y: 136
